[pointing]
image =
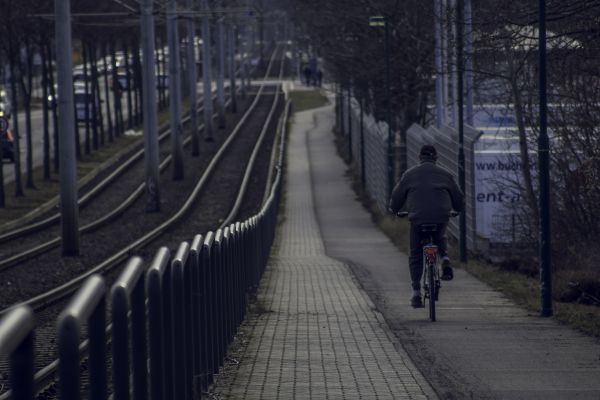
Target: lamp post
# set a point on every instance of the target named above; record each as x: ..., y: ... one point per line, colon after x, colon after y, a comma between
x: 544, y: 171
x: 380, y: 21
x: 69, y: 209
x: 461, y: 126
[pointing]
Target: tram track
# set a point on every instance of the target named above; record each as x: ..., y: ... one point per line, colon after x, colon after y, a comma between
x: 228, y: 157
x: 39, y: 238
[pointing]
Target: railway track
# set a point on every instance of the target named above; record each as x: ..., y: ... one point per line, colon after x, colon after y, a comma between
x: 16, y: 246
x: 233, y: 154
x: 109, y: 205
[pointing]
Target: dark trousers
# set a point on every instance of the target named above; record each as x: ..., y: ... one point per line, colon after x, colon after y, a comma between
x: 415, y: 259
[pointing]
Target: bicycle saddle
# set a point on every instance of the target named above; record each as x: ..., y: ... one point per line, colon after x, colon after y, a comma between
x: 428, y: 228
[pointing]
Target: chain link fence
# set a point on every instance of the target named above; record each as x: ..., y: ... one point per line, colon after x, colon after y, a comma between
x: 367, y: 147
x: 367, y: 140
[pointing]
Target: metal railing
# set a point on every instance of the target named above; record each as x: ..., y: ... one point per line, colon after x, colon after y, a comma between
x: 188, y: 305
x: 16, y: 342
x: 369, y: 145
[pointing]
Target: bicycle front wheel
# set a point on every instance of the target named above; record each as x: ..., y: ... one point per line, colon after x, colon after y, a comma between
x: 432, y: 290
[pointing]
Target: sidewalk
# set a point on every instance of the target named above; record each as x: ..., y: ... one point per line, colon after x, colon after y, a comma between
x: 320, y: 335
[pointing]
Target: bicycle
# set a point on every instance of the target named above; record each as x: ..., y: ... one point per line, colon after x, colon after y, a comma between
x: 431, y: 265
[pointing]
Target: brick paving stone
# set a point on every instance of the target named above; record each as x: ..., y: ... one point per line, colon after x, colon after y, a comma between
x: 314, y: 333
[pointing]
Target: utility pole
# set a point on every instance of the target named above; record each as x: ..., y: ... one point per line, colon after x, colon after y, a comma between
x: 249, y: 30
x: 461, y: 127
x: 544, y: 168
x: 69, y: 209
x: 207, y: 76
x: 469, y: 60
x: 232, y: 83
x: 454, y: 66
x: 174, y: 91
x: 243, y: 60
x: 150, y: 109
x: 221, y: 72
x: 380, y: 21
x: 439, y: 95
x: 191, y: 75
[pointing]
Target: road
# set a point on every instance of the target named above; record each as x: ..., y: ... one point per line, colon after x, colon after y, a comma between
x: 37, y: 133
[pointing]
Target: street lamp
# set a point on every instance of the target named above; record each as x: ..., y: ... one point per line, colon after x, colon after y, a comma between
x: 461, y: 126
x: 380, y: 21
x: 544, y: 178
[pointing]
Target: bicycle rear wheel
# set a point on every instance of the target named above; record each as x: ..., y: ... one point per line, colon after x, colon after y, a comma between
x: 432, y: 290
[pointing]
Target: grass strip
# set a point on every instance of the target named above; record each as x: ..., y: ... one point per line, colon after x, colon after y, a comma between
x: 522, y: 289
x: 303, y: 100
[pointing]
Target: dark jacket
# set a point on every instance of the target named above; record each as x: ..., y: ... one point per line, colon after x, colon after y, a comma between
x: 429, y: 193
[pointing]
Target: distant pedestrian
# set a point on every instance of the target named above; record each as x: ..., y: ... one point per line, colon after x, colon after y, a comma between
x: 307, y: 74
x: 319, y: 75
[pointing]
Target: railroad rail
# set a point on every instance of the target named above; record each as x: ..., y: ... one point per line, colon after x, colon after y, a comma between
x: 223, y: 238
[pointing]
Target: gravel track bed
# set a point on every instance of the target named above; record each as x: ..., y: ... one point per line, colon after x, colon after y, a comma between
x: 213, y: 206
x: 205, y: 217
x: 109, y: 199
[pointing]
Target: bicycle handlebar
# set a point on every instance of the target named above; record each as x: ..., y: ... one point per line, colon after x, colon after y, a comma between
x: 404, y: 214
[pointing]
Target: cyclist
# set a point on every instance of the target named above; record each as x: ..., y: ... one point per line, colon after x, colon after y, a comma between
x: 429, y: 193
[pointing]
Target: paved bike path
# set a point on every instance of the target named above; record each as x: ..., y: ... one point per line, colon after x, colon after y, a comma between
x: 483, y: 346
x: 314, y: 334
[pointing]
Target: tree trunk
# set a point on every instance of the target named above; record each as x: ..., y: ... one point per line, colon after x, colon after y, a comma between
x: 137, y: 83
x: 26, y: 83
x: 107, y: 94
x: 116, y: 92
x: 2, y: 195
x: 54, y: 106
x: 523, y: 148
x: 86, y: 114
x: 45, y: 111
x: 98, y: 117
x: 162, y: 98
x: 129, y: 85
x: 92, y: 98
x: 15, y: 124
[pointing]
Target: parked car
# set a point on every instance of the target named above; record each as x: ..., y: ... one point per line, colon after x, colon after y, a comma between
x: 4, y: 104
x: 162, y: 81
x: 8, y: 146
x: 82, y: 100
x: 122, y: 79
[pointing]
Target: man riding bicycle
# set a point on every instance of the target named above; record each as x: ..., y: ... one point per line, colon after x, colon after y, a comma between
x: 430, y: 193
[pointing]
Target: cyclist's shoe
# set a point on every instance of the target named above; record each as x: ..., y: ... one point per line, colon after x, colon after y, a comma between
x: 447, y: 272
x: 416, y: 302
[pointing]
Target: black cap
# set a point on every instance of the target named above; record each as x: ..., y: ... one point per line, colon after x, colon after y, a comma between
x: 428, y: 152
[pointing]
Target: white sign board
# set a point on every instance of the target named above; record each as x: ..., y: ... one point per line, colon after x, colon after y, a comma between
x: 497, y: 167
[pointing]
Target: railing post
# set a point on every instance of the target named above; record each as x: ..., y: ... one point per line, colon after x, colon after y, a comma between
x: 220, y: 309
x: 156, y: 334
x: 127, y: 295
x: 88, y: 304
x: 120, y: 344
x: 208, y: 286
x: 226, y: 257
x: 256, y: 252
x: 16, y: 341
x: 138, y: 341
x: 238, y: 267
x: 178, y: 325
x: 217, y: 331
x: 197, y: 304
x: 245, y: 264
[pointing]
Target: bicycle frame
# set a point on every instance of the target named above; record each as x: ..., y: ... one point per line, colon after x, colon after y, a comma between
x: 431, y: 275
